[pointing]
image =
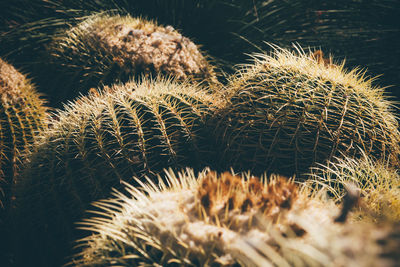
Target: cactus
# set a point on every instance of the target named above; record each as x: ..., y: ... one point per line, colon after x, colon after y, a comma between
x: 130, y: 130
x: 106, y: 49
x: 194, y: 220
x: 377, y: 183
x: 228, y: 220
x: 22, y: 117
x: 290, y: 110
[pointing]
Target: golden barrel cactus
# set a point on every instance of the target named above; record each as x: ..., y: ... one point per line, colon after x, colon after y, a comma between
x: 22, y: 117
x: 290, y: 110
x: 107, y: 49
x: 110, y: 136
x: 229, y: 220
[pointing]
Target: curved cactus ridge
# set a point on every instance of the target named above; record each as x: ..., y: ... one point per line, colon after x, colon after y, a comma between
x: 289, y: 110
x: 104, y: 49
x: 193, y: 220
x: 22, y: 117
x: 227, y: 220
x: 128, y: 130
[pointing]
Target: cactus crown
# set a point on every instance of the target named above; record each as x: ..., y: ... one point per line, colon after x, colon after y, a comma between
x: 22, y: 116
x: 207, y: 220
x: 104, y: 49
x: 187, y: 219
x: 299, y: 110
x: 313, y: 67
x: 135, y: 129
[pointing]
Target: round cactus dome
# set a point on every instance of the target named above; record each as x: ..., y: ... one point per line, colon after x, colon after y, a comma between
x: 190, y: 220
x: 105, y: 49
x: 22, y: 116
x: 228, y: 220
x: 112, y: 135
x: 290, y: 110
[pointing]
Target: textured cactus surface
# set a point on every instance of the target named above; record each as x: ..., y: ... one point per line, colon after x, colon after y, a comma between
x: 22, y: 116
x: 185, y: 219
x: 104, y: 49
x: 99, y: 141
x: 377, y: 184
x: 227, y: 220
x: 326, y: 244
x: 289, y: 110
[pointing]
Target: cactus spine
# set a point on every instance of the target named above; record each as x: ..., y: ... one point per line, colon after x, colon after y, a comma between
x: 104, y: 49
x: 289, y: 110
x: 101, y: 140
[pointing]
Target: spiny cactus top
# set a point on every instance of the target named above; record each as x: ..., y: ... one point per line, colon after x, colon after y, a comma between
x: 288, y: 110
x: 22, y: 116
x: 186, y: 219
x: 226, y: 220
x: 107, y: 49
x: 128, y: 130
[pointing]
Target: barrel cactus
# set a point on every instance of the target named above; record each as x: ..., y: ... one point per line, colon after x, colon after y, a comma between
x: 22, y: 118
x: 135, y: 129
x: 289, y: 110
x: 194, y: 220
x: 104, y: 49
x: 377, y: 183
x: 228, y: 220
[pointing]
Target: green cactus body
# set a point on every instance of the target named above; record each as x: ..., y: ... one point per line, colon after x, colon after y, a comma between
x: 290, y: 110
x: 105, y: 49
x: 22, y: 117
x: 128, y: 130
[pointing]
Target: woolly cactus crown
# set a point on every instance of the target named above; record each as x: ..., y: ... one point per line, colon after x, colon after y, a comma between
x: 288, y: 110
x: 191, y: 220
x: 107, y: 49
x: 228, y: 220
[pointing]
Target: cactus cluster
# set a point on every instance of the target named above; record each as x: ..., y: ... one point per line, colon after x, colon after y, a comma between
x: 160, y: 104
x: 22, y: 117
x: 128, y: 130
x: 105, y: 49
x: 289, y: 110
